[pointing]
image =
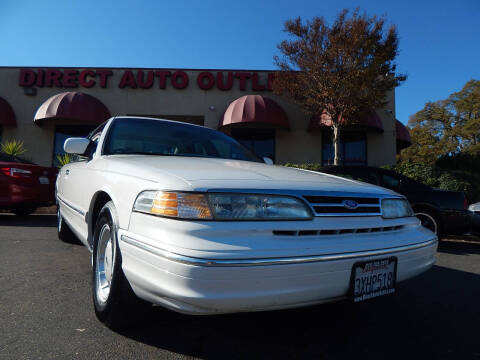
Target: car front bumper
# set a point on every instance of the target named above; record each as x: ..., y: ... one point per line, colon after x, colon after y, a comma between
x: 221, y: 284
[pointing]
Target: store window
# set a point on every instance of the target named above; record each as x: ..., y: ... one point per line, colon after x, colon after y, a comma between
x: 353, y: 148
x: 260, y: 141
x: 62, y: 133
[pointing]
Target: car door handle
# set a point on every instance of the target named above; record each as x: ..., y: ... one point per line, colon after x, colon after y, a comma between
x: 67, y: 172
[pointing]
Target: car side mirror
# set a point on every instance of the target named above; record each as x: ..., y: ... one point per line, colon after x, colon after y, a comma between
x: 76, y: 146
x: 267, y: 160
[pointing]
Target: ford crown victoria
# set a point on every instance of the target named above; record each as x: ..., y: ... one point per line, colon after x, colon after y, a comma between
x: 185, y: 217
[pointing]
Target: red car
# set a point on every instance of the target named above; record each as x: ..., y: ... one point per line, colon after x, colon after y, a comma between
x: 25, y: 186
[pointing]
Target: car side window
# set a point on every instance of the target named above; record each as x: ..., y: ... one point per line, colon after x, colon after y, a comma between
x: 92, y: 147
x: 14, y: 159
x: 413, y: 186
x: 7, y: 158
x: 366, y: 176
x: 390, y: 181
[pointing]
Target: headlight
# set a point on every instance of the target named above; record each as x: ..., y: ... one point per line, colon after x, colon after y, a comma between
x: 173, y: 204
x: 221, y: 206
x: 396, y: 208
x: 257, y: 207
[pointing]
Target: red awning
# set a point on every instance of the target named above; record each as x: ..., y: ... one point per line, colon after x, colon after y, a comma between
x: 370, y: 121
x: 255, y: 109
x: 403, y: 134
x: 72, y: 106
x: 7, y: 116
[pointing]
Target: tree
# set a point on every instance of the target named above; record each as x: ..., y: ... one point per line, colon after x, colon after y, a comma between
x: 446, y: 128
x: 463, y: 108
x: 339, y: 70
x: 424, y: 149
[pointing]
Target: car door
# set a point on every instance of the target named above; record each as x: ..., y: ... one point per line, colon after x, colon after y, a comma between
x: 73, y: 189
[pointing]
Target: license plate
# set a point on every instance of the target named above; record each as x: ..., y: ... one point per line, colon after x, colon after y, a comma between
x: 44, y: 180
x: 373, y: 278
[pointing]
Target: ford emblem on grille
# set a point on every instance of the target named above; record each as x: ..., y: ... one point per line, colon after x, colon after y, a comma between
x: 350, y: 204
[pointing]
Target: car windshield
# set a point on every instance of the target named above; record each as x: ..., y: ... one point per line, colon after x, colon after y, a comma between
x: 168, y: 138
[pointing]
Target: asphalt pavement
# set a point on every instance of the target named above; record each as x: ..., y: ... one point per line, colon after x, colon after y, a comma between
x: 46, y: 313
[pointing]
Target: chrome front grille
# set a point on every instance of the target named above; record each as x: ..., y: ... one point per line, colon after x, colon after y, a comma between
x: 336, y: 232
x: 339, y: 205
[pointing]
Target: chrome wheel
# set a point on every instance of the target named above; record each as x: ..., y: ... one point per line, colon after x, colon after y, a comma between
x: 428, y: 221
x: 115, y: 303
x: 104, y: 264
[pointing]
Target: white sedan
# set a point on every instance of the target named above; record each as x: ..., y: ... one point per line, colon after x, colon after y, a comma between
x: 185, y: 217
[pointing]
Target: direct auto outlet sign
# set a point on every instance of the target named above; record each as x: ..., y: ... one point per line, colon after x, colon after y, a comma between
x: 144, y: 79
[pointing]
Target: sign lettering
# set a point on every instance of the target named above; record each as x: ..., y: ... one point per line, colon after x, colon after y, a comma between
x: 145, y: 79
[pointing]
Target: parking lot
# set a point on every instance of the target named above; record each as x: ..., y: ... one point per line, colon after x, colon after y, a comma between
x: 46, y: 312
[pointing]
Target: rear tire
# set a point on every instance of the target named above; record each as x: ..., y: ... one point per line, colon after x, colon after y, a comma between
x: 430, y: 221
x: 114, y: 301
x: 24, y: 210
x: 64, y: 232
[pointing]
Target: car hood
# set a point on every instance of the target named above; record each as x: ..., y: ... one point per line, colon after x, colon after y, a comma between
x: 210, y: 173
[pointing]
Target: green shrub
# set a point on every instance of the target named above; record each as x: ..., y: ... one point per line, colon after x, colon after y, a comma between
x: 13, y: 148
x: 423, y: 173
x: 63, y: 160
x: 447, y: 181
x: 441, y: 178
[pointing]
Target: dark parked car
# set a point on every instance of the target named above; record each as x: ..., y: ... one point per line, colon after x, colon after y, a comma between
x: 443, y: 212
x: 25, y: 186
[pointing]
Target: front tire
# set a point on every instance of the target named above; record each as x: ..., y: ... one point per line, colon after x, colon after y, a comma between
x: 114, y: 301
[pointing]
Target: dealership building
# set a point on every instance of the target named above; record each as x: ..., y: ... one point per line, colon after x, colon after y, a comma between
x: 44, y: 106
